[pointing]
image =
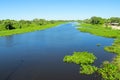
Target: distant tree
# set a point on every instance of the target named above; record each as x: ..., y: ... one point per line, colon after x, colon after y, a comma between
x: 114, y: 20
x: 87, y: 21
x: 9, y: 24
x: 52, y: 21
x: 40, y: 21
x: 97, y: 20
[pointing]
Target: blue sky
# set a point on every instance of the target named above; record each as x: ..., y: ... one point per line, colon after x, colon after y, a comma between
x: 58, y: 9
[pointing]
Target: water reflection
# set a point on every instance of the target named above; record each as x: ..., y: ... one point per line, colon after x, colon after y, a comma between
x: 9, y: 40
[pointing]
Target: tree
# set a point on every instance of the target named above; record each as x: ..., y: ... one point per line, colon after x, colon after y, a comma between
x: 97, y: 20
x: 87, y: 21
x: 40, y: 21
x: 114, y: 20
x: 9, y: 24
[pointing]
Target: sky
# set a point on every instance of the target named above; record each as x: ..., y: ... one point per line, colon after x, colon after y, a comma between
x: 58, y: 9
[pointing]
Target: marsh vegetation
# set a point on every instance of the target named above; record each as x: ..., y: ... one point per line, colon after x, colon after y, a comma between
x: 108, y: 70
x: 100, y: 27
x: 84, y: 59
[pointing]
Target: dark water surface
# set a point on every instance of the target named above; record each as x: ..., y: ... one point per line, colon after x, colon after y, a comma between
x: 39, y: 55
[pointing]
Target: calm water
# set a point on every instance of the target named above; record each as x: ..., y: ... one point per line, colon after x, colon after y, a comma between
x: 39, y: 55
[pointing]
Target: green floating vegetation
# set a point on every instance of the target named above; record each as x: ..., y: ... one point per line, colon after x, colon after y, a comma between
x: 109, y: 71
x: 116, y: 61
x: 80, y: 58
x: 84, y: 59
x: 88, y: 69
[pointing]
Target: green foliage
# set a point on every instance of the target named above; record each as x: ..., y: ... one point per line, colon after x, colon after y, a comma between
x: 115, y: 48
x: 80, y: 58
x: 40, y: 21
x: 96, y: 20
x: 84, y: 59
x: 109, y: 72
x: 10, y: 27
x: 116, y: 61
x: 114, y: 20
x: 88, y: 69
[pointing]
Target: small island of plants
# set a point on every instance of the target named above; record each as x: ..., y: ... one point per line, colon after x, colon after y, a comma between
x: 84, y: 59
x: 108, y: 70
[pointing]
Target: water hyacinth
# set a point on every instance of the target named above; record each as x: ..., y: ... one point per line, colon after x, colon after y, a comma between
x: 80, y: 58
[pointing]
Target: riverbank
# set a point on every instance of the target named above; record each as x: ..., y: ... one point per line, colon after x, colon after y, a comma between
x: 101, y: 30
x: 28, y: 29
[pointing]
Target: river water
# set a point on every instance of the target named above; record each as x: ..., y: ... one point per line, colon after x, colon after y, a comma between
x: 39, y: 55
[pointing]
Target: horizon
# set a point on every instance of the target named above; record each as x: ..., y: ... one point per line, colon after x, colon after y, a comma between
x: 58, y: 9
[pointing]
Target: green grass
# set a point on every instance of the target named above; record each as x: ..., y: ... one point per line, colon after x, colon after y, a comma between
x: 109, y: 72
x: 99, y: 30
x: 115, y: 48
x: 29, y: 29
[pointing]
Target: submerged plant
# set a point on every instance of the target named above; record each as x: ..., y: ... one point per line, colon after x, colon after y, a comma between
x: 98, y: 45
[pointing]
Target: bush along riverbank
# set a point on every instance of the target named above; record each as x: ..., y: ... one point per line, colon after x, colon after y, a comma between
x: 11, y: 27
x: 109, y: 70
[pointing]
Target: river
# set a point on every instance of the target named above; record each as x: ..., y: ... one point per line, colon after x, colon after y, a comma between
x: 39, y: 55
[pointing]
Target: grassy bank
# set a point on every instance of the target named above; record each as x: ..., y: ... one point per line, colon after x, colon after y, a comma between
x: 101, y: 30
x: 115, y: 48
x: 107, y: 71
x: 28, y: 29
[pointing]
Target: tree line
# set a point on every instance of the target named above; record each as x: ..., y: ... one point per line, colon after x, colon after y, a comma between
x: 100, y: 20
x: 14, y: 24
